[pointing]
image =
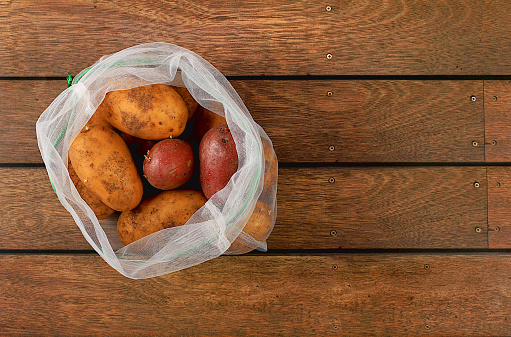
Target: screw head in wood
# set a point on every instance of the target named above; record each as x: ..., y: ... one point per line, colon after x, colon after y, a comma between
x: 494, y: 98
x: 331, y: 147
x: 497, y: 184
x: 333, y: 232
x: 329, y: 56
x: 331, y: 180
x: 427, y: 326
x: 476, y: 184
x: 334, y: 267
x: 474, y: 143
x: 329, y: 93
x: 493, y: 142
x: 473, y: 98
x: 478, y: 229
x: 328, y: 8
x: 336, y: 327
x: 426, y: 266
x: 497, y: 229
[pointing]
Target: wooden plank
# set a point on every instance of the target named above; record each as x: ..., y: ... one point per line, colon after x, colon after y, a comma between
x: 497, y: 105
x: 499, y: 207
x: 21, y: 104
x: 32, y: 216
x: 315, y: 295
x: 381, y: 207
x: 364, y: 121
x: 272, y: 37
x: 369, y: 121
x: 376, y: 207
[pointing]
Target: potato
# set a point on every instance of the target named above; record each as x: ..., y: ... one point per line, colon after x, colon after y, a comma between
x: 271, y: 167
x: 98, y: 116
x: 205, y: 121
x: 164, y: 210
x: 258, y: 226
x: 169, y: 164
x: 152, y: 112
x: 101, y: 210
x: 190, y: 102
x: 218, y: 159
x: 104, y: 164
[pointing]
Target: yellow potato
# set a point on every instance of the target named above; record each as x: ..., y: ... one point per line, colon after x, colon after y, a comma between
x: 104, y: 164
x: 258, y: 226
x: 152, y: 112
x: 164, y: 210
x: 97, y: 117
x: 190, y: 102
x: 98, y: 207
x: 271, y: 167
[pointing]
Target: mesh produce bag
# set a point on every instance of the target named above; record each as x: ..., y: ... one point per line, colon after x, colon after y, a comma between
x: 211, y: 230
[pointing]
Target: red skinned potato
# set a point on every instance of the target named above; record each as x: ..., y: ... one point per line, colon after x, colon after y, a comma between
x: 169, y: 164
x: 218, y: 159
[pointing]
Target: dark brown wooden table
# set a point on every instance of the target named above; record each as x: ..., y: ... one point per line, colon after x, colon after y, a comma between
x: 392, y: 124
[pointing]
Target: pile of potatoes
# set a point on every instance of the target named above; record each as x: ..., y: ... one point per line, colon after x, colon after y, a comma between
x: 153, y: 154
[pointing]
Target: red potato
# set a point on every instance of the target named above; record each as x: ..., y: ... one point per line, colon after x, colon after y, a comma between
x: 218, y: 159
x: 169, y: 164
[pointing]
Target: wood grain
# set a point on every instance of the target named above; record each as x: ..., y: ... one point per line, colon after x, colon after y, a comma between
x: 499, y: 207
x: 369, y: 121
x: 365, y: 121
x: 315, y: 295
x: 376, y: 207
x: 32, y: 216
x: 398, y: 37
x: 21, y: 104
x: 381, y: 207
x: 497, y: 104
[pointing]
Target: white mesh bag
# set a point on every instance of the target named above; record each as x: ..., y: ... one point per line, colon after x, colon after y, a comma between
x: 211, y: 230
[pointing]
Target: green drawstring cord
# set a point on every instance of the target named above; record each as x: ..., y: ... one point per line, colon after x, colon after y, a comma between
x: 69, y: 80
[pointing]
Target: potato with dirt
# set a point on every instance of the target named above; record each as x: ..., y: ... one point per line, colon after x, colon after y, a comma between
x: 98, y: 116
x: 258, y: 227
x: 218, y: 159
x: 205, y: 121
x: 104, y: 164
x: 169, y: 164
x: 164, y: 210
x: 152, y: 112
x: 101, y: 210
x: 271, y: 167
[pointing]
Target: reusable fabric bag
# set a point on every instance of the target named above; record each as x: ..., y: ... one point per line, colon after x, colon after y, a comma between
x: 211, y: 230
